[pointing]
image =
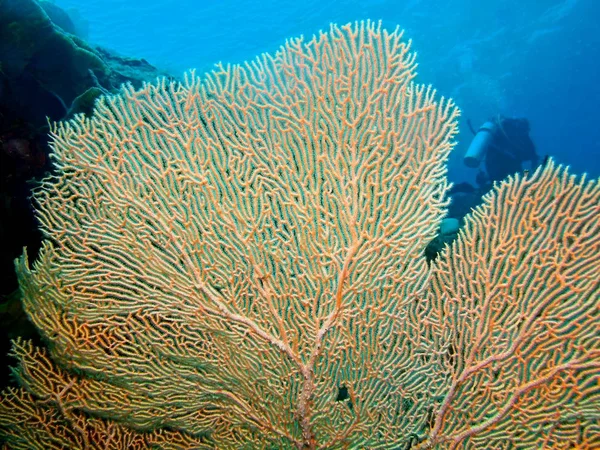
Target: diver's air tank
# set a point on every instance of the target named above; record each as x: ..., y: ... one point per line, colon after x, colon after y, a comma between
x: 480, y: 144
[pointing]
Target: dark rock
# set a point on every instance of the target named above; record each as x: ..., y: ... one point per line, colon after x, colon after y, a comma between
x: 47, y: 73
x: 59, y: 17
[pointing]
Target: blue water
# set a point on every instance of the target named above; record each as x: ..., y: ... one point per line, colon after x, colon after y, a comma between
x: 538, y: 59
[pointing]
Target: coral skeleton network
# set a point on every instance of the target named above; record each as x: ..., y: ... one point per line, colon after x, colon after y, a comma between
x: 237, y: 261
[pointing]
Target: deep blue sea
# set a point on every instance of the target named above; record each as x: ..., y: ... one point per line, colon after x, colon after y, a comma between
x: 538, y: 59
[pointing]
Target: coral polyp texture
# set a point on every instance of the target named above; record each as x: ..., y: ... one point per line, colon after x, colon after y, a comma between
x: 238, y: 262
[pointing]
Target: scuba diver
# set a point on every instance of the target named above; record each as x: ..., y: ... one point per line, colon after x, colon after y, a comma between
x: 505, y: 145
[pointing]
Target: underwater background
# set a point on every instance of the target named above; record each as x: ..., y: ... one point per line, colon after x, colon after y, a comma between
x: 538, y: 59
x: 529, y: 262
